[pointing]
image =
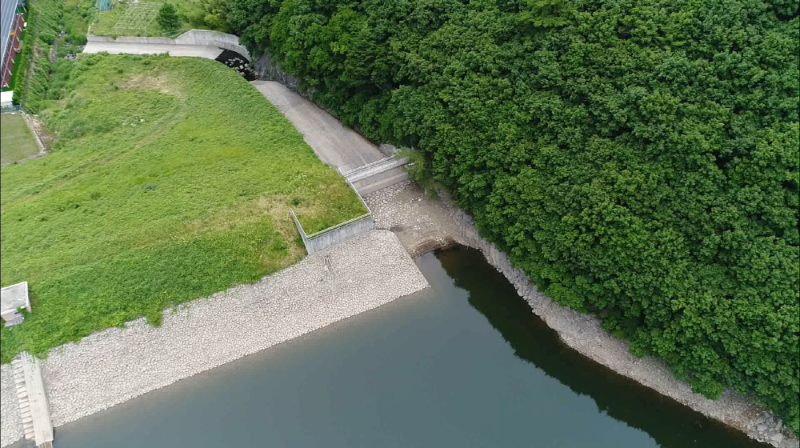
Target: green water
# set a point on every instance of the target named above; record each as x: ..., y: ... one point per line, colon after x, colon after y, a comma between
x: 463, y: 364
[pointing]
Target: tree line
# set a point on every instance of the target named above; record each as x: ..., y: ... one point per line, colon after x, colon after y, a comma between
x: 637, y: 158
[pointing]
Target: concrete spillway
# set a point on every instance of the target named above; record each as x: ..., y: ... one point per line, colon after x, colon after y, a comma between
x: 32, y: 401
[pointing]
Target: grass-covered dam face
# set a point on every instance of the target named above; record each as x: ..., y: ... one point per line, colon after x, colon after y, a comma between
x: 172, y: 179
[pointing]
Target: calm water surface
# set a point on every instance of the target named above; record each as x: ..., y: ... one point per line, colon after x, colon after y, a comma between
x: 463, y: 364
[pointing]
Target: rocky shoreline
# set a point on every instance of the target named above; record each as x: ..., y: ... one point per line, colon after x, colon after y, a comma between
x: 424, y: 224
x: 118, y: 364
x: 115, y: 365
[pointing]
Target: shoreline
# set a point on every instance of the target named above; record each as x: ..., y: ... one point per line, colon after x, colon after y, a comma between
x: 424, y: 225
x: 356, y: 276
x: 118, y: 364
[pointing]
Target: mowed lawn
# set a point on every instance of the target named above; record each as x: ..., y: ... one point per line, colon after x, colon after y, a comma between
x: 172, y: 179
x: 16, y: 139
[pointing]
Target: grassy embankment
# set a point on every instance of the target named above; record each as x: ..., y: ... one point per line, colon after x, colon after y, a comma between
x: 172, y: 179
x: 46, y: 20
x: 16, y: 140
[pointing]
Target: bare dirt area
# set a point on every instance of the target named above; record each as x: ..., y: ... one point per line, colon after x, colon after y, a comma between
x: 422, y: 224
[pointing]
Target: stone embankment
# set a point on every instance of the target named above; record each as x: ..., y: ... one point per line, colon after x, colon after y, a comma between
x: 11, y: 422
x: 424, y: 224
x: 115, y: 365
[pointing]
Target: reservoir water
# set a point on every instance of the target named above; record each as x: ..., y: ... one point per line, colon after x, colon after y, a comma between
x: 462, y: 364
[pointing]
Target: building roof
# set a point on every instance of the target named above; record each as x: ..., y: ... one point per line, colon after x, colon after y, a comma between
x: 14, y: 297
x: 7, y: 16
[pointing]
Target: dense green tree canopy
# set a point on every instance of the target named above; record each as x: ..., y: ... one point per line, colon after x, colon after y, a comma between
x: 638, y: 158
x: 167, y: 18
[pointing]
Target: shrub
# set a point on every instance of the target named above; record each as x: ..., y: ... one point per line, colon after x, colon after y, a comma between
x: 168, y: 18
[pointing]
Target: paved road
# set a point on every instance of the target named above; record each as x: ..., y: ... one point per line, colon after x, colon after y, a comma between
x: 336, y: 145
x: 7, y: 8
x: 201, y: 51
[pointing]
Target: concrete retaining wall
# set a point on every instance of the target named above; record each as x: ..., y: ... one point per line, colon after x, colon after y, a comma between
x: 341, y: 232
x: 336, y: 234
x: 191, y: 37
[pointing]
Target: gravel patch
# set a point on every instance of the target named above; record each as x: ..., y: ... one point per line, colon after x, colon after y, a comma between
x: 115, y: 365
x: 424, y: 224
x: 10, y: 420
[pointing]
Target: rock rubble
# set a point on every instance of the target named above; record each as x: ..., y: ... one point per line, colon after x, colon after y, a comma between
x: 11, y: 422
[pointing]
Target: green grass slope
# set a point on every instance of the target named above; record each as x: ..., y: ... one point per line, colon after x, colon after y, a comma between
x: 172, y: 179
x: 16, y: 140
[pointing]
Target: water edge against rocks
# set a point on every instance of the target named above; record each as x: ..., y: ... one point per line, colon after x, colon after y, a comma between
x: 464, y: 363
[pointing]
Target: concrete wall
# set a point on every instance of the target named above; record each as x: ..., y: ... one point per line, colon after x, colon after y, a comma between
x: 341, y: 232
x: 191, y: 37
x: 336, y: 234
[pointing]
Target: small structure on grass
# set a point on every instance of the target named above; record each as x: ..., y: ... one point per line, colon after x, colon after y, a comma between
x: 7, y: 99
x: 12, y: 298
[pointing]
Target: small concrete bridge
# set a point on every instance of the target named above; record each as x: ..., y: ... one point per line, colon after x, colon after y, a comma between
x: 377, y: 175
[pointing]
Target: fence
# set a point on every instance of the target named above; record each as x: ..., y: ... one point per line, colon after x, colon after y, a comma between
x: 336, y: 234
x: 10, y: 108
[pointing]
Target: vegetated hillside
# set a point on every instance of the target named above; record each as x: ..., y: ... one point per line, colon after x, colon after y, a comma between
x: 172, y: 179
x: 639, y: 159
x: 55, y: 28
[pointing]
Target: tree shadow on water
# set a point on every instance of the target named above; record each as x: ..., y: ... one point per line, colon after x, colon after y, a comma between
x: 670, y: 423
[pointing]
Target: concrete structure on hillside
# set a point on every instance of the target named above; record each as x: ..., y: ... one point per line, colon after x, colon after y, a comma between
x: 197, y: 43
x: 365, y: 167
x: 377, y: 175
x: 339, y: 233
x: 12, y: 298
x: 7, y: 99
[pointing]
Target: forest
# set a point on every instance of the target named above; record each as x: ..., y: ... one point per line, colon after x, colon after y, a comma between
x: 638, y: 159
